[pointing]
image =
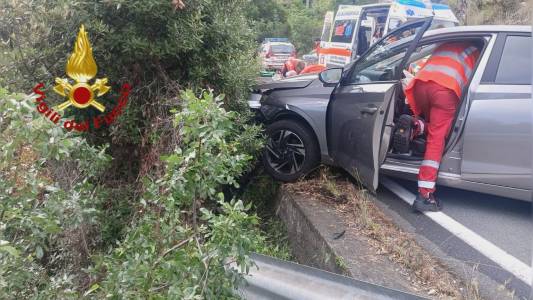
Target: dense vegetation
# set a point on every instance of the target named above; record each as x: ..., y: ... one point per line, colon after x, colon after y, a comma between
x: 292, y: 19
x: 148, y: 207
x: 476, y: 12
x: 140, y: 209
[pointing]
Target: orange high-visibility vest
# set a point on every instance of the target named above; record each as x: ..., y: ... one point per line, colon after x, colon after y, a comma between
x: 416, y: 66
x: 311, y: 69
x: 450, y: 66
x: 291, y: 63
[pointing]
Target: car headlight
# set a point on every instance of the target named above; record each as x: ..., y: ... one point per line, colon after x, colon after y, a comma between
x: 269, y: 111
x: 254, y: 102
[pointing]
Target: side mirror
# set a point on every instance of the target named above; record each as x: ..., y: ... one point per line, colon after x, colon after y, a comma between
x: 330, y: 77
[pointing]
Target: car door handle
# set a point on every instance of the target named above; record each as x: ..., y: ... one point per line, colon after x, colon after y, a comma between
x: 357, y: 89
x: 369, y: 110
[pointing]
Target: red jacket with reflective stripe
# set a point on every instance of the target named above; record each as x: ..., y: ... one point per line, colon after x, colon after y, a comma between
x: 450, y: 66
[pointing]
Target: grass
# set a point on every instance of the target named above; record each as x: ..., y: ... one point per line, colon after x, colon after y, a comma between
x: 472, y: 286
x: 341, y: 263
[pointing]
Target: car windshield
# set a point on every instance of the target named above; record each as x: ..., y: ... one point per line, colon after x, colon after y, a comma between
x: 380, y: 62
x: 286, y: 48
x: 386, y: 49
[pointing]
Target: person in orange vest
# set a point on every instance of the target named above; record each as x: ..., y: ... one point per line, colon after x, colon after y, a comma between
x: 416, y: 66
x: 292, y: 67
x: 312, y: 69
x: 317, y: 47
x: 434, y: 93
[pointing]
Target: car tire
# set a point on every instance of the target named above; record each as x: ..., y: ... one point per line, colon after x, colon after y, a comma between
x: 291, y: 150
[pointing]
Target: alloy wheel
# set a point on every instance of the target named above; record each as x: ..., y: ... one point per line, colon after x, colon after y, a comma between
x: 285, y: 151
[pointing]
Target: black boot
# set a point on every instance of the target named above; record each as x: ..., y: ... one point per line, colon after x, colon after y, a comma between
x: 431, y: 203
x: 403, y: 134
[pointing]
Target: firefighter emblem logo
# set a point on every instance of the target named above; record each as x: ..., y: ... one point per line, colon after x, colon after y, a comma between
x: 81, y: 68
x: 81, y: 90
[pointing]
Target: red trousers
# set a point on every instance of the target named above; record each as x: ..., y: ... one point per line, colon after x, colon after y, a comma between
x: 437, y: 105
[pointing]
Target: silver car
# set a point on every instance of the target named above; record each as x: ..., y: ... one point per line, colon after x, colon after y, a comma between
x: 275, y: 54
x: 349, y: 122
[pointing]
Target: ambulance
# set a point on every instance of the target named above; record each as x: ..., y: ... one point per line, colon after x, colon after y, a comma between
x: 356, y: 28
x: 328, y: 25
x: 443, y: 16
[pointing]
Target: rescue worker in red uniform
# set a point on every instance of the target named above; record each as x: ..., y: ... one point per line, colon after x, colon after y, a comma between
x: 317, y: 47
x: 292, y: 67
x: 314, y: 68
x: 434, y: 94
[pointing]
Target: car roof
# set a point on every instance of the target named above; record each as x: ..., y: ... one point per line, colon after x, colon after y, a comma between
x: 480, y: 29
x: 465, y: 30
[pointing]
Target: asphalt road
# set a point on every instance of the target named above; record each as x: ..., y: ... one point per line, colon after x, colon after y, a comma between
x: 504, y: 222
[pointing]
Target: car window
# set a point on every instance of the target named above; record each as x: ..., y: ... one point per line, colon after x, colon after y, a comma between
x: 394, y: 23
x: 343, y: 31
x: 515, y: 63
x: 381, y: 61
x: 282, y: 48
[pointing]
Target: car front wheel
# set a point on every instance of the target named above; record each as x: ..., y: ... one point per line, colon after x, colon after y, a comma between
x: 291, y: 150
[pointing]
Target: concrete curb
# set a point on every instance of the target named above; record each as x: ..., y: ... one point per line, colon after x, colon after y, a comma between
x: 313, y: 228
x: 308, y: 243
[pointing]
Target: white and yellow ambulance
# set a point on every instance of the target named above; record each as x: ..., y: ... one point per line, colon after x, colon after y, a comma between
x: 355, y: 28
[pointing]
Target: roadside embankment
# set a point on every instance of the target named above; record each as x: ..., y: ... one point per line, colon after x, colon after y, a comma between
x: 336, y: 226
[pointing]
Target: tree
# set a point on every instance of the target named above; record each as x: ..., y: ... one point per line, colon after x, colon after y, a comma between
x: 514, y: 12
x: 268, y: 19
x: 305, y: 24
x: 54, y: 244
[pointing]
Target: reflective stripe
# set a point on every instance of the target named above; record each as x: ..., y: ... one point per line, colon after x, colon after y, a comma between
x: 426, y: 184
x: 431, y: 163
x: 448, y: 71
x: 459, y: 58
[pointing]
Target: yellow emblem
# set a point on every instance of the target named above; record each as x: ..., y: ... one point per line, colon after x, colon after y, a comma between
x: 81, y: 67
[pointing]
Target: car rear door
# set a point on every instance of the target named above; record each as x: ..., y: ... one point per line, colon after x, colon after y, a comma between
x: 497, y: 135
x: 360, y: 103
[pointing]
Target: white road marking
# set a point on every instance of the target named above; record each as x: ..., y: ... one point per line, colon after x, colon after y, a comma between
x: 505, y: 260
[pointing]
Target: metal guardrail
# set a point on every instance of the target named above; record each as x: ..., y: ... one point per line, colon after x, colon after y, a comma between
x: 278, y: 279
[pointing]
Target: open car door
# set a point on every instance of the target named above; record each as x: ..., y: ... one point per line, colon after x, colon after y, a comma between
x: 361, y: 103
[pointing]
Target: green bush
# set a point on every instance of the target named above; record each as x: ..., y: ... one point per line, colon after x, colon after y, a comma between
x: 178, y: 245
x: 169, y: 252
x: 144, y: 216
x: 48, y: 200
x: 150, y: 44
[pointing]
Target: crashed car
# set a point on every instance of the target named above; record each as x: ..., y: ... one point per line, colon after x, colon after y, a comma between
x: 349, y: 122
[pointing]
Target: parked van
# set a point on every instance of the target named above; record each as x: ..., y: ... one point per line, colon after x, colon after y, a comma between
x: 356, y: 28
